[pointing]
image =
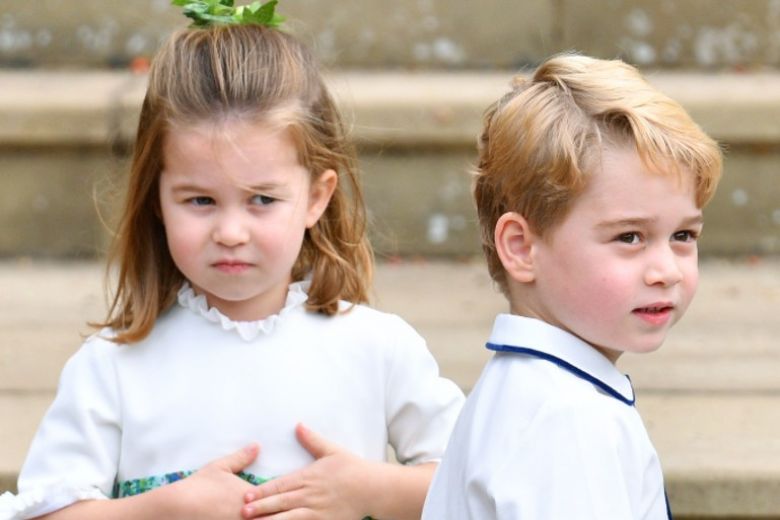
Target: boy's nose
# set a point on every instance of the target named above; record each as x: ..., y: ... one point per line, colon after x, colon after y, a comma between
x: 663, y: 268
x: 230, y: 230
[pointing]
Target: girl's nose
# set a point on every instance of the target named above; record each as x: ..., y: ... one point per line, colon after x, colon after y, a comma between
x: 664, y: 268
x: 230, y: 230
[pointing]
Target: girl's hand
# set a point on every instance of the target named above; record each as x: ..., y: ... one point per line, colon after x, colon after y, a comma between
x: 214, y: 492
x: 329, y: 488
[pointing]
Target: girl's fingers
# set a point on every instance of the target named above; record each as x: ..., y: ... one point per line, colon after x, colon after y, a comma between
x: 277, y: 503
x: 314, y: 443
x: 273, y: 487
x: 240, y: 459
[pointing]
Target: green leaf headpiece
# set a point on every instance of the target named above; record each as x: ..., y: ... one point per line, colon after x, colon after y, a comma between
x: 205, y: 13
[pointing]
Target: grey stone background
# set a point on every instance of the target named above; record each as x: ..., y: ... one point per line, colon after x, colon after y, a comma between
x: 422, y: 34
x: 413, y: 77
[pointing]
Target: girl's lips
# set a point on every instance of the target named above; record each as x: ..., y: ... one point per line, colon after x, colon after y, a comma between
x: 656, y: 314
x: 232, y: 267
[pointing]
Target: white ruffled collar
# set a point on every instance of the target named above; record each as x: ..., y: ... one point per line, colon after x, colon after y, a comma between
x: 247, y: 330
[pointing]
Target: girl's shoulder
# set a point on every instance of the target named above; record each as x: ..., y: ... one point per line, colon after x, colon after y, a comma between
x: 99, y: 348
x: 99, y: 345
x: 92, y: 365
x: 366, y: 329
x: 367, y: 317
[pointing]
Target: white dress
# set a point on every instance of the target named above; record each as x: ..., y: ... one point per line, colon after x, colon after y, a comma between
x: 129, y: 418
x: 549, y: 432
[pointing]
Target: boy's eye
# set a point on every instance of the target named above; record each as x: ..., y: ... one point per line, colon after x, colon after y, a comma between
x: 261, y: 200
x: 628, y: 238
x: 685, y: 236
x: 201, y: 201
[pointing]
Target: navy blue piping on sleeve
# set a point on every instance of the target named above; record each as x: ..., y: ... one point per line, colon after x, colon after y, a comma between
x: 567, y: 366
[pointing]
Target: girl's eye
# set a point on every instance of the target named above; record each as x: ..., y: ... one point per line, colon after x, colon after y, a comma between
x: 685, y: 236
x: 261, y: 200
x: 201, y: 201
x: 629, y: 238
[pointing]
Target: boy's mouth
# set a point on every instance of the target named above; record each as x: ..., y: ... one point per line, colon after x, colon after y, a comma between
x: 655, y: 308
x: 657, y: 313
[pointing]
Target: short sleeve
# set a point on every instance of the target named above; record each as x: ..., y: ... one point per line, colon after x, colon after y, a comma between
x: 574, y: 462
x: 421, y: 406
x: 74, y: 454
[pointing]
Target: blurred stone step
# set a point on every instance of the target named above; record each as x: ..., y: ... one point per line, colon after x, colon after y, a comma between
x: 709, y: 397
x: 727, y: 341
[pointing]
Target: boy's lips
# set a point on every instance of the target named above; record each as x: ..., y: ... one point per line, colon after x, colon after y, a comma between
x: 655, y: 313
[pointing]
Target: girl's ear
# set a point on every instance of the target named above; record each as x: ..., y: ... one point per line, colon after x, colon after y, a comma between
x: 320, y: 192
x: 515, y: 247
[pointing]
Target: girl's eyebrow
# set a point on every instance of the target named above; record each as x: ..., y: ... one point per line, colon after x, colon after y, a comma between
x: 265, y: 186
x: 190, y: 187
x: 187, y: 187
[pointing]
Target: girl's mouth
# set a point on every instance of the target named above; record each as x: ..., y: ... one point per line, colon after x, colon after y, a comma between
x: 232, y: 267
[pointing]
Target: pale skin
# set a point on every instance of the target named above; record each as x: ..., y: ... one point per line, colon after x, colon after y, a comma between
x: 621, y: 267
x: 253, y: 218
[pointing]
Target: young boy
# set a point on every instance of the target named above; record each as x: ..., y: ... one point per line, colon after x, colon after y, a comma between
x: 589, y: 191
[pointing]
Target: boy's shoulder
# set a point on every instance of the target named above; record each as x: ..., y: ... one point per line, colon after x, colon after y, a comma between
x: 542, y: 377
x: 554, y: 361
x: 523, y: 404
x: 541, y: 388
x: 531, y: 431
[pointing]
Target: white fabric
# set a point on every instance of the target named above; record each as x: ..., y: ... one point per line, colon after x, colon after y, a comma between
x: 537, y: 440
x: 202, y: 386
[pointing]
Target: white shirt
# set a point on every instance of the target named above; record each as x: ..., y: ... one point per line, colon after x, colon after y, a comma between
x: 202, y: 386
x: 549, y: 432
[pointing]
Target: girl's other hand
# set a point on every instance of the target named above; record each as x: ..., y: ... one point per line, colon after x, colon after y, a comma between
x: 329, y: 488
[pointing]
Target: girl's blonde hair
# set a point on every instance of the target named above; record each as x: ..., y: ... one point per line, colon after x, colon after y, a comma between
x: 540, y: 141
x: 259, y: 75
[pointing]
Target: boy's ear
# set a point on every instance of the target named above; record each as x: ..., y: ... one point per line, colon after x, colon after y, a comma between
x: 515, y: 246
x: 320, y: 192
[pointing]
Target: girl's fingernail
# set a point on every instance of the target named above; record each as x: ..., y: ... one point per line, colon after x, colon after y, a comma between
x: 249, y: 497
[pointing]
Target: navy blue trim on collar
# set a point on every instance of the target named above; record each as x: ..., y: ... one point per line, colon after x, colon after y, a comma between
x: 565, y: 365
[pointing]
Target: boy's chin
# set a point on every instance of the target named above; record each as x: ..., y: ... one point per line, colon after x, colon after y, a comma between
x: 644, y: 347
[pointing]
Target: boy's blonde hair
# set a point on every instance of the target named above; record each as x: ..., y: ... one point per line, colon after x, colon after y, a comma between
x: 540, y: 141
x: 258, y: 75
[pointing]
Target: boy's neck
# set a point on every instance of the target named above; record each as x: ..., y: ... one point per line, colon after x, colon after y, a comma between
x: 526, y: 312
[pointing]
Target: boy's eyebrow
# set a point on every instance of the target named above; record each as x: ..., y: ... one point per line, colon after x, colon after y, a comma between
x: 693, y: 220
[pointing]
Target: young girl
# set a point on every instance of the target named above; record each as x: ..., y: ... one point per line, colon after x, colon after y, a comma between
x: 241, y: 264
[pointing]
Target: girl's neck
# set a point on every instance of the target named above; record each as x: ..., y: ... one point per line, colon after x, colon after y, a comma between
x: 254, y: 309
